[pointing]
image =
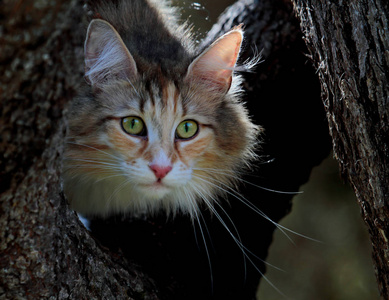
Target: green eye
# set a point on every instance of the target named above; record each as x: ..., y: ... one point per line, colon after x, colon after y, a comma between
x: 134, y: 125
x: 186, y: 129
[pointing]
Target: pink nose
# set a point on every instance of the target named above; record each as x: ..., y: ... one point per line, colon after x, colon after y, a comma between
x: 160, y: 171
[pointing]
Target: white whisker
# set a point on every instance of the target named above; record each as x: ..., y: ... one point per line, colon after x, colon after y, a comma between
x: 115, y: 192
x: 211, y: 207
x: 94, y: 148
x: 246, y: 202
x: 108, y: 177
x: 97, y: 162
x: 239, y: 243
x: 195, y: 210
x: 231, y: 174
x: 236, y: 239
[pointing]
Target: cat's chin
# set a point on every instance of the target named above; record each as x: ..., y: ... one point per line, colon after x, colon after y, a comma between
x: 154, y: 191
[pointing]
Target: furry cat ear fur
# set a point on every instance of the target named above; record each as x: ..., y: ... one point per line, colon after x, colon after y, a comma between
x: 214, y: 67
x: 106, y: 56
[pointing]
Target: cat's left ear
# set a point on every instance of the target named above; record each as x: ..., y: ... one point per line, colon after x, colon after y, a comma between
x: 106, y: 56
x: 214, y: 67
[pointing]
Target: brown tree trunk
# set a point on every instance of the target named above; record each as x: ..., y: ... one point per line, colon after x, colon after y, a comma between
x: 44, y: 249
x: 349, y: 45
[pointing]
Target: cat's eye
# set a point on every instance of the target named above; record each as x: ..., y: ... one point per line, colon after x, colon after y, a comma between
x: 134, y: 126
x: 187, y: 129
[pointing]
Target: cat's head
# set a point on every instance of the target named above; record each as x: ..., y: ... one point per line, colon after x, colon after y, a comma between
x: 141, y: 142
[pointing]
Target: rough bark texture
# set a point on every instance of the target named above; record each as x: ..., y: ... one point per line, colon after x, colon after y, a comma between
x: 45, y: 252
x: 349, y: 44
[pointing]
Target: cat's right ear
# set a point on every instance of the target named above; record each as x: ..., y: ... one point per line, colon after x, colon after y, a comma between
x: 215, y: 66
x: 106, y: 56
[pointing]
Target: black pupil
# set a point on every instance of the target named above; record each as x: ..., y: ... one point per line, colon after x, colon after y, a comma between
x: 186, y: 126
x: 133, y: 123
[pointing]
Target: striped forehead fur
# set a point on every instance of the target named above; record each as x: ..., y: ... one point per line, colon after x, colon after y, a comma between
x: 161, y: 43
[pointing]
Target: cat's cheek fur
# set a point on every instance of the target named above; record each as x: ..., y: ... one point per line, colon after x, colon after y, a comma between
x: 123, y: 142
x: 190, y: 151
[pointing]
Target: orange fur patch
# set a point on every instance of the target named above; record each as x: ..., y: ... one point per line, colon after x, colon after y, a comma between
x: 194, y: 149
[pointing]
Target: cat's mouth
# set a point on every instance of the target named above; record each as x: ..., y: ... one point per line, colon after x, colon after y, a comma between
x: 158, y: 184
x: 157, y: 189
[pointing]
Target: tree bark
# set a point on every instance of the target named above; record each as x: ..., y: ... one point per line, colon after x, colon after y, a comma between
x: 349, y: 45
x: 45, y: 250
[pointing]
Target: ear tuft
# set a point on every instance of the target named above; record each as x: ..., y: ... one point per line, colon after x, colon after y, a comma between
x: 215, y: 65
x: 106, y: 56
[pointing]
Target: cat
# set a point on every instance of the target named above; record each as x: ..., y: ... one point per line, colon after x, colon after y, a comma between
x: 159, y: 125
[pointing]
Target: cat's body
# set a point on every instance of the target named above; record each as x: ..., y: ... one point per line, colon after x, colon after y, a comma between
x: 159, y: 126
x: 154, y: 75
x: 159, y: 129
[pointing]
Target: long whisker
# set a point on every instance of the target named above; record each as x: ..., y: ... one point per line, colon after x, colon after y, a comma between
x: 238, y: 241
x: 116, y: 191
x: 232, y: 192
x: 94, y: 148
x: 98, y: 162
x: 246, y: 202
x: 108, y: 172
x: 108, y: 177
x: 100, y: 169
x: 194, y: 207
x: 211, y: 207
x: 230, y: 174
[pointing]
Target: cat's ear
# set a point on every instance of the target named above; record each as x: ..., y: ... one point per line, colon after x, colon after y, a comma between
x: 106, y: 56
x: 214, y: 67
